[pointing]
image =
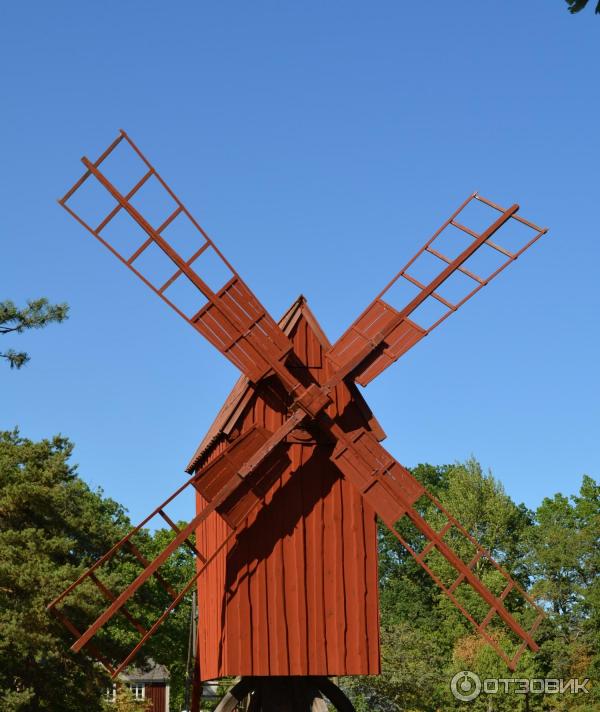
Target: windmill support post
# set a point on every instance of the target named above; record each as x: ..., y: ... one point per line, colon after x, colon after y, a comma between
x: 284, y: 694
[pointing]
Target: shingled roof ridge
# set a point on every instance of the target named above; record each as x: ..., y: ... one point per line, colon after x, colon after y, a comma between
x: 243, y: 388
x: 242, y: 391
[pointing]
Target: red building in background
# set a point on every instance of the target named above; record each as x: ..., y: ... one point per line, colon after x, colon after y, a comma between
x: 151, y: 683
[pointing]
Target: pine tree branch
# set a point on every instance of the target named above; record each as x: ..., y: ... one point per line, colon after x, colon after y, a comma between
x: 37, y: 314
x: 16, y: 359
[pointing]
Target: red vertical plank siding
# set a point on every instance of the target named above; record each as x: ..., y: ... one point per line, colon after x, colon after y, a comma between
x: 260, y: 624
x: 354, y: 565
x: 157, y: 693
x: 371, y: 577
x: 335, y: 610
x: 211, y: 585
x: 315, y: 576
x: 296, y: 593
x: 277, y: 652
x: 288, y: 509
x: 298, y: 597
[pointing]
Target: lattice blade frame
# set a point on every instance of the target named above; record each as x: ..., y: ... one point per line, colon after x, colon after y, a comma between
x: 393, y: 493
x: 382, y: 333
x: 232, y: 318
x: 219, y: 483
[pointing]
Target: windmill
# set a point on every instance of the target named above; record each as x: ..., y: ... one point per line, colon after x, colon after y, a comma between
x: 292, y: 475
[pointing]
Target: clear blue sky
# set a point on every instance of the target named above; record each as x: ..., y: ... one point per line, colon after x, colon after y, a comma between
x: 319, y: 144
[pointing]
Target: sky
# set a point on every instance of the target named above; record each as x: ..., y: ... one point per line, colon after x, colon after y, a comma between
x: 320, y: 145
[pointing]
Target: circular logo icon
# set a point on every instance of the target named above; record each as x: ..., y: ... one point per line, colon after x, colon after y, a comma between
x: 465, y: 686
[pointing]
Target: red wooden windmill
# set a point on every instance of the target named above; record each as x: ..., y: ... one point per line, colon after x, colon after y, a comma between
x: 292, y: 474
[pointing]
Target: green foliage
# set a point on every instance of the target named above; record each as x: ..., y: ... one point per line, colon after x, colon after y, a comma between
x: 565, y: 563
x: 413, y: 661
x: 554, y: 551
x: 37, y: 314
x: 52, y: 527
x: 578, y: 5
x: 223, y: 686
x: 169, y: 645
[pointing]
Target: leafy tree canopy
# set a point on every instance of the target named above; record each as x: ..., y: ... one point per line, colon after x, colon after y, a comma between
x: 554, y: 552
x: 37, y: 314
x: 52, y: 527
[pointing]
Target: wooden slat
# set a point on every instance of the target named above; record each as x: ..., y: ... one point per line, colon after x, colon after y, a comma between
x: 144, y: 561
x: 110, y: 596
x: 500, y: 249
x: 178, y: 273
x: 435, y: 295
x: 187, y: 541
x: 118, y: 207
x: 466, y: 229
x: 448, y: 261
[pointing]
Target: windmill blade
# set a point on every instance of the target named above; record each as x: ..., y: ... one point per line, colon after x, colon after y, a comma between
x: 440, y: 544
x: 228, y: 490
x: 456, y: 562
x: 232, y: 486
x: 220, y: 306
x: 386, y: 330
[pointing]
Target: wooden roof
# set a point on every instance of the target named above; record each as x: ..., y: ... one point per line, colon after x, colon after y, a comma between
x: 243, y: 390
x: 153, y: 672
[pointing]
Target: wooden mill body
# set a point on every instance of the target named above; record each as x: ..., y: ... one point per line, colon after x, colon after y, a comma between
x: 295, y: 593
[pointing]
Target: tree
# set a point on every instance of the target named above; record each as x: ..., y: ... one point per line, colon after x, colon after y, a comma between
x: 52, y: 528
x: 578, y: 5
x: 37, y: 314
x: 170, y: 644
x: 565, y: 561
x: 425, y: 641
